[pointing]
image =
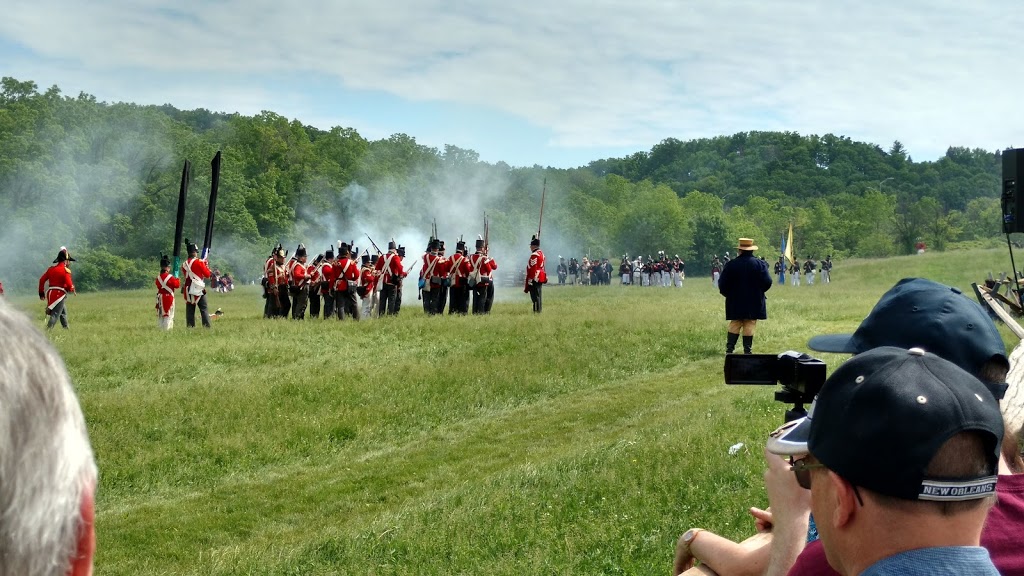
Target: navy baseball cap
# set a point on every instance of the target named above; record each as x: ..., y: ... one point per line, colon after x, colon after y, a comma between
x: 921, y: 313
x: 882, y: 416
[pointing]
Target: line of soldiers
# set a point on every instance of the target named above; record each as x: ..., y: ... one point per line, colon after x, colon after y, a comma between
x: 347, y: 285
x: 453, y: 278
x: 809, y: 269
x: 663, y: 271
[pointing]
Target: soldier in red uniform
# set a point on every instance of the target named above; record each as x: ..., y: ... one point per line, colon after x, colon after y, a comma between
x: 345, y: 281
x: 481, y: 280
x: 54, y: 287
x: 326, y: 273
x: 166, y: 284
x: 314, y: 275
x: 443, y: 269
x: 390, y: 271
x: 430, y: 279
x: 366, y: 282
x: 458, y: 267
x: 298, y: 282
x: 195, y: 271
x: 536, y: 276
x: 277, y: 284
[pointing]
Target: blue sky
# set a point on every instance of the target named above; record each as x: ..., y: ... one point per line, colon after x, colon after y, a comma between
x: 555, y: 83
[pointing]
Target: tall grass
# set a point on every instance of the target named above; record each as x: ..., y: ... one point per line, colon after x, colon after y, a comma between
x: 580, y: 441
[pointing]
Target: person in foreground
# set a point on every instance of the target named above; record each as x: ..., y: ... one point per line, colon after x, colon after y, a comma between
x: 903, y: 451
x: 47, y: 471
x: 915, y: 312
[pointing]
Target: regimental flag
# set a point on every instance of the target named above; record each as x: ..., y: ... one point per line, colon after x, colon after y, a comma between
x: 788, y: 245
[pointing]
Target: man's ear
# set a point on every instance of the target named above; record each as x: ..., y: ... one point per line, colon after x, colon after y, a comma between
x: 85, y: 546
x: 844, y: 500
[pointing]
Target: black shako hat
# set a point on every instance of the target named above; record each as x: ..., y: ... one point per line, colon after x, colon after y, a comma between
x: 433, y: 244
x: 460, y: 246
x: 479, y: 243
x: 535, y: 241
x: 329, y: 255
x: 165, y: 261
x: 926, y: 314
x: 883, y: 415
x: 366, y: 259
x: 300, y: 251
x: 392, y: 245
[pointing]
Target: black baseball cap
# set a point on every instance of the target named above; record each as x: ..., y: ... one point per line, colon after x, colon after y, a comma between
x: 922, y: 313
x: 883, y: 415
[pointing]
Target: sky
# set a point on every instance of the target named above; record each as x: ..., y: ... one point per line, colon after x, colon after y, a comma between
x: 555, y: 82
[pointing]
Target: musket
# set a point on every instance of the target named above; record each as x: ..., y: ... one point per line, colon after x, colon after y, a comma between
x: 487, y: 234
x: 543, y: 193
x: 179, y: 223
x: 214, y: 187
x: 375, y: 247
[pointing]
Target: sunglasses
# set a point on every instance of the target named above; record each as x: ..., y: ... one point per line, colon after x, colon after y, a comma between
x: 802, y: 470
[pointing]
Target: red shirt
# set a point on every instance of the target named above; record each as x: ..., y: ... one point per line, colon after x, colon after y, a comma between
x: 166, y: 284
x: 535, y: 267
x: 56, y: 283
x: 298, y: 274
x: 368, y: 279
x: 459, y: 269
x: 393, y: 267
x: 347, y: 270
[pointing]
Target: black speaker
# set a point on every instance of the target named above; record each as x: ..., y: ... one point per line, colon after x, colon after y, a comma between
x: 1012, y: 200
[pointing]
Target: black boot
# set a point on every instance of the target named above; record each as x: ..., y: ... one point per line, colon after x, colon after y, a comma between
x: 748, y: 342
x: 730, y: 343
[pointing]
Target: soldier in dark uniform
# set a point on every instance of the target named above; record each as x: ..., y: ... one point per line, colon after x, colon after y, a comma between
x: 563, y: 270
x: 826, y: 269
x: 780, y: 270
x: 743, y: 282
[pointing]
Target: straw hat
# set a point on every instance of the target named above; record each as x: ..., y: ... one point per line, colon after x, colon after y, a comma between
x: 747, y: 244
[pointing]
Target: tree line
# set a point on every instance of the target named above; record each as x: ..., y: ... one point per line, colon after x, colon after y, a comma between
x: 103, y: 179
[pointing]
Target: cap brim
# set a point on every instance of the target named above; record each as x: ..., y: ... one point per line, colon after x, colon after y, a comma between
x: 842, y: 343
x: 790, y: 439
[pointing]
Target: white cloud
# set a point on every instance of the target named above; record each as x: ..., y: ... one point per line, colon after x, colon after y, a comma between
x: 595, y: 73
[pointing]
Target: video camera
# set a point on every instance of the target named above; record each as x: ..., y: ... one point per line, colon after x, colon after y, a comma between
x: 801, y: 376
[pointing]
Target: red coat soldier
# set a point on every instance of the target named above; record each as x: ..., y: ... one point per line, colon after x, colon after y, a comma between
x: 458, y: 269
x: 326, y: 274
x: 481, y: 278
x: 166, y: 284
x: 345, y: 281
x: 430, y: 277
x: 390, y: 272
x: 298, y: 282
x: 54, y: 286
x: 277, y: 284
x: 195, y: 271
x: 536, y: 276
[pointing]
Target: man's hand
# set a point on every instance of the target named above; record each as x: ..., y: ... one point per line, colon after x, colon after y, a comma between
x: 762, y: 519
x: 42, y: 296
x: 791, y: 508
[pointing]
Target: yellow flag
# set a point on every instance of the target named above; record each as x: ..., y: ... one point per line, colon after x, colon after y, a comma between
x: 789, y: 244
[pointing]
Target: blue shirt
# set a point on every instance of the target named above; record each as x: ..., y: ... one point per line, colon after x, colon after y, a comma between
x: 951, y: 560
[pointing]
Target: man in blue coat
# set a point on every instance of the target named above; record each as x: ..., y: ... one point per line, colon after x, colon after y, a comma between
x: 743, y: 282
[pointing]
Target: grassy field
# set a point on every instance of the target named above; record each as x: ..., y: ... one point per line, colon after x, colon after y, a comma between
x: 581, y: 441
